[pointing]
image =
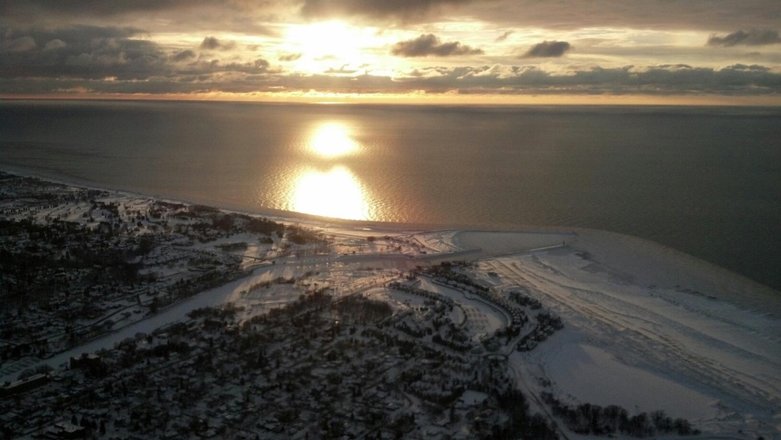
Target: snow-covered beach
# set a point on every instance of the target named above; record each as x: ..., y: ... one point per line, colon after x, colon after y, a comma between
x: 645, y: 327
x: 648, y: 327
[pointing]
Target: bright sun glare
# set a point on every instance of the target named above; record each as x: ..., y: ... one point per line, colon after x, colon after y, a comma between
x: 332, y: 140
x: 334, y: 193
x: 325, y: 44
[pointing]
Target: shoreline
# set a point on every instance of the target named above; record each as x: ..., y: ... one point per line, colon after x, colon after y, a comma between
x: 760, y: 292
x: 635, y: 312
x: 294, y: 216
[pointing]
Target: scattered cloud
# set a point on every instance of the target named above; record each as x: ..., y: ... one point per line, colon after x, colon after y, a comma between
x: 184, y: 55
x: 343, y: 70
x: 652, y: 80
x: 54, y: 44
x: 290, y: 57
x: 21, y: 44
x: 547, y: 49
x: 753, y: 37
x: 184, y: 46
x: 503, y: 36
x: 83, y: 52
x: 212, y: 43
x: 149, y: 70
x: 91, y: 53
x: 429, y: 45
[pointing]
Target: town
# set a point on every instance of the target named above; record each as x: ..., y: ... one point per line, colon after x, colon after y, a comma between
x: 78, y: 263
x: 129, y: 317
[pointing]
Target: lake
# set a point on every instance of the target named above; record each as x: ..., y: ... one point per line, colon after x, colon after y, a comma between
x: 704, y: 180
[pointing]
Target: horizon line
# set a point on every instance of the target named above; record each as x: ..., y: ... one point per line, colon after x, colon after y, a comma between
x: 428, y: 99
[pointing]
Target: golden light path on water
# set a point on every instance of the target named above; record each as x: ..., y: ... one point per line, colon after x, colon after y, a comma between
x: 332, y: 140
x: 331, y: 189
x: 335, y: 192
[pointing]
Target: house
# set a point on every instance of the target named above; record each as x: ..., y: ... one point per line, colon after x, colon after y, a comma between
x: 65, y: 430
x: 22, y: 385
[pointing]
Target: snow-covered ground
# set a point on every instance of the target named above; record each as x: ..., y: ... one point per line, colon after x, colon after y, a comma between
x: 175, y: 313
x: 498, y: 243
x: 481, y: 318
x: 688, y: 345
x: 645, y: 327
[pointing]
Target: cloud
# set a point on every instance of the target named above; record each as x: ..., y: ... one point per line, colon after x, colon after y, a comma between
x: 77, y: 34
x: 89, y: 54
x: 503, y: 36
x: 405, y: 10
x: 163, y: 15
x: 429, y: 45
x: 212, y: 43
x: 82, y: 51
x: 161, y: 76
x: 54, y: 44
x: 97, y: 8
x: 651, y: 80
x: 547, y: 49
x: 21, y: 44
x: 752, y: 37
x: 290, y: 57
x: 710, y: 15
x: 183, y: 55
x: 110, y: 59
x: 260, y: 65
x: 344, y: 70
x: 251, y: 16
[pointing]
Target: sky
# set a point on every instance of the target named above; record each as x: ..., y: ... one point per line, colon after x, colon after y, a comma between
x: 438, y: 51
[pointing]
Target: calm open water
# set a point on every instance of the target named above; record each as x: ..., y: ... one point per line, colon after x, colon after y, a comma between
x: 706, y: 181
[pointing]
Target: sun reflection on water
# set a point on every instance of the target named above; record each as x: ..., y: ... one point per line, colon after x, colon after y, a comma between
x: 333, y: 193
x: 332, y: 140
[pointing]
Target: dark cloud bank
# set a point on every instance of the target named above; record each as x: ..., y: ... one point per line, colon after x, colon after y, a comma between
x: 656, y: 80
x: 47, y: 57
x: 204, y: 15
x: 212, y: 43
x: 153, y: 15
x: 95, y: 8
x: 711, y: 15
x: 547, y: 49
x: 114, y: 60
x: 430, y: 45
x: 753, y: 37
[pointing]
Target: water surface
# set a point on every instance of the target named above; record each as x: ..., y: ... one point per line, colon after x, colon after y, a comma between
x: 702, y: 180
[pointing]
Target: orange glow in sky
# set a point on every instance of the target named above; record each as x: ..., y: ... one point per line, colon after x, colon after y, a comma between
x: 499, y: 52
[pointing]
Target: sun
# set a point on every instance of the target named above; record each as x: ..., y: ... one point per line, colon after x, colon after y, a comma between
x: 330, y: 38
x: 331, y: 140
x: 328, y: 44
